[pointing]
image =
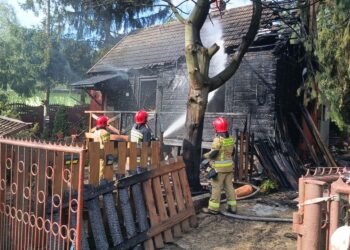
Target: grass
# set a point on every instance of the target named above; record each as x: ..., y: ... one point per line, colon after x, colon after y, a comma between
x: 67, y: 98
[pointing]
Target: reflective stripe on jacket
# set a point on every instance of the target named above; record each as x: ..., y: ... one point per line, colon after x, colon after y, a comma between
x: 102, y: 136
x: 136, y: 135
x: 223, y: 161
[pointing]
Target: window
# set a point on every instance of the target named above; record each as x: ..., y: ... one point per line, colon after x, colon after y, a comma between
x: 147, y: 94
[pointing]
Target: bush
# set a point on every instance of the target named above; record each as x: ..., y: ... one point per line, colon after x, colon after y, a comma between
x: 269, y: 186
x: 60, y: 124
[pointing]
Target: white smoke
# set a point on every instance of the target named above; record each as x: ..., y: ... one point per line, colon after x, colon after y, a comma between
x: 211, y: 33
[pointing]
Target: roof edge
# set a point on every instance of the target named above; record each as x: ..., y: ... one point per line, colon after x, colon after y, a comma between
x: 90, y: 70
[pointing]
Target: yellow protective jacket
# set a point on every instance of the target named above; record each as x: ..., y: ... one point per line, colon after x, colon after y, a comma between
x: 223, y: 161
x: 102, y: 136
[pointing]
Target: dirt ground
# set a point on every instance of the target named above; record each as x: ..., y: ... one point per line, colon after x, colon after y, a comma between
x: 220, y: 233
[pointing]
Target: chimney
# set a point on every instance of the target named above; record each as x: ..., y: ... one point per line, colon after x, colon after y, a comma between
x: 219, y: 5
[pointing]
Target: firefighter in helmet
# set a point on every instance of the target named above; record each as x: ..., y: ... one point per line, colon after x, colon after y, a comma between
x: 221, y: 172
x: 102, y: 136
x: 140, y: 132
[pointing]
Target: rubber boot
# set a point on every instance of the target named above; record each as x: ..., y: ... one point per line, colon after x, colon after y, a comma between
x: 232, y: 209
x: 209, y: 211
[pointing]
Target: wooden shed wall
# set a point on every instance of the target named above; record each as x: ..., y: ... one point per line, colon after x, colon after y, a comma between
x: 252, y: 91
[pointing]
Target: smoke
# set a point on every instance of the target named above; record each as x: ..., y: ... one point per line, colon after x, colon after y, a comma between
x: 211, y: 33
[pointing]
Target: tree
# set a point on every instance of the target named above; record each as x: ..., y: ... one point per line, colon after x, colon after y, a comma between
x: 102, y: 20
x: 25, y: 66
x: 200, y: 84
x: 21, y: 62
x: 332, y: 50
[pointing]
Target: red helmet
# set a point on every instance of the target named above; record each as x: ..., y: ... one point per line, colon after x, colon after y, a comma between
x: 141, y: 117
x: 101, y: 122
x: 220, y: 125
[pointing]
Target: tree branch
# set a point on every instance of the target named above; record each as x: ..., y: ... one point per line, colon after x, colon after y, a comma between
x: 228, y: 72
x: 176, y: 12
x: 213, y: 49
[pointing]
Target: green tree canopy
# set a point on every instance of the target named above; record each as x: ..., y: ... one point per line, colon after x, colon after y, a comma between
x: 26, y: 66
x: 333, y: 54
x: 101, y: 19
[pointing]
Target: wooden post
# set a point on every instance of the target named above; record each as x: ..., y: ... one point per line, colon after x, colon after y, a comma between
x: 94, y: 159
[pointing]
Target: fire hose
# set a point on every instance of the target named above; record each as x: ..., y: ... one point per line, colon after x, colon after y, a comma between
x: 256, y: 218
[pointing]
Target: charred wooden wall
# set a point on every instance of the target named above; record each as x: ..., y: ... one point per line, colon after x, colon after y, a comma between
x: 252, y: 90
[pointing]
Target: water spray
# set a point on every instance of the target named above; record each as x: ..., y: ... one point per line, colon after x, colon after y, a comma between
x: 211, y: 33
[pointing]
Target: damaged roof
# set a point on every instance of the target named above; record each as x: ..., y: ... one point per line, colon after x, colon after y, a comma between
x: 162, y: 44
x: 10, y: 126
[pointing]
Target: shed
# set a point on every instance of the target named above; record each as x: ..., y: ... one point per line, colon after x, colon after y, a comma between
x: 146, y: 69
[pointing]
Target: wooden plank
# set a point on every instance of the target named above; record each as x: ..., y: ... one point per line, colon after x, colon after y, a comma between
x: 144, y: 154
x: 133, y: 156
x: 94, y: 160
x: 246, y: 155
x: 179, y: 199
x: 128, y: 181
x: 236, y: 157
x: 148, y: 245
x: 183, y: 215
x: 308, y: 144
x: 170, y: 200
x: 152, y: 212
x: 241, y: 149
x: 155, y: 146
x: 314, y: 130
x: 58, y: 168
x: 108, y: 170
x: 187, y: 192
x: 157, y: 189
x: 132, y: 242
x: 122, y: 147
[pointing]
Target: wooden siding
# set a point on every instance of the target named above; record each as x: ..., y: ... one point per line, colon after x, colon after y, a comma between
x: 252, y: 90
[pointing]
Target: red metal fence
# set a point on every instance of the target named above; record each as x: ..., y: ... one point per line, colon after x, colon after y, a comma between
x: 44, y: 192
x: 40, y: 195
x: 323, y: 207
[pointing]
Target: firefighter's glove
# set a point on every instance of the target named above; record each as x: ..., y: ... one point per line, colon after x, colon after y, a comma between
x: 212, y: 174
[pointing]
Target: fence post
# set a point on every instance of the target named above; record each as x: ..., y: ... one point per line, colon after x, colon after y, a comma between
x: 80, y: 201
x: 312, y: 215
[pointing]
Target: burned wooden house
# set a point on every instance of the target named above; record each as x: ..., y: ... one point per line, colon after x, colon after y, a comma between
x: 146, y: 70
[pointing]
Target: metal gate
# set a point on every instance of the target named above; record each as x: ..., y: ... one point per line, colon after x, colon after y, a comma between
x: 41, y: 195
x: 324, y: 198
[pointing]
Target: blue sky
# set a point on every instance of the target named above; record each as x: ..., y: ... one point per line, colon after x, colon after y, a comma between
x: 29, y: 19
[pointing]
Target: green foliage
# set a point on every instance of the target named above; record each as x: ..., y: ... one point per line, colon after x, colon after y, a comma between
x: 333, y: 54
x: 101, y: 20
x: 60, y: 124
x: 31, y: 61
x: 22, y: 62
x: 5, y: 109
x: 29, y: 133
x: 268, y: 186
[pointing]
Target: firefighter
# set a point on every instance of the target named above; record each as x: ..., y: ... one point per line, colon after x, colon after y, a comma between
x: 221, y: 163
x: 102, y: 136
x: 140, y: 132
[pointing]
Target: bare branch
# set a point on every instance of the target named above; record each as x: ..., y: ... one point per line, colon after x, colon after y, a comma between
x: 176, y: 12
x: 213, y: 49
x: 228, y: 72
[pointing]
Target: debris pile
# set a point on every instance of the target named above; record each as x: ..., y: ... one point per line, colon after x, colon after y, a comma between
x: 279, y: 163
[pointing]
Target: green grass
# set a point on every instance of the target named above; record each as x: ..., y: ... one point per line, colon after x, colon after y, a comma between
x: 61, y: 98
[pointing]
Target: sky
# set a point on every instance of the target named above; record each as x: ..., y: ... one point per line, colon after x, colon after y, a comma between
x: 29, y: 19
